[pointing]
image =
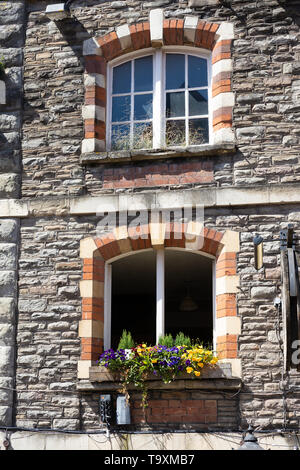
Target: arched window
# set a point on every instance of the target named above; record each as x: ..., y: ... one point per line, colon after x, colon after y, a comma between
x: 155, y: 292
x: 160, y: 99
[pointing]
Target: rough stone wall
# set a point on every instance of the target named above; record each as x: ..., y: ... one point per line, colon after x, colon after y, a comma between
x: 12, y: 17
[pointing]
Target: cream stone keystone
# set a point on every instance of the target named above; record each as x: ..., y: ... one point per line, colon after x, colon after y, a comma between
x: 190, y: 26
x: 225, y: 31
x: 156, y: 27
x: 89, y: 288
x: 224, y: 136
x: 121, y: 235
x: 91, y: 47
x: 93, y: 112
x: 227, y: 285
x: 83, y: 368
x: 94, y: 79
x: 228, y: 326
x: 231, y: 242
x: 157, y: 234
x: 194, y: 236
x: 88, y: 248
x: 90, y: 329
x: 92, y: 145
x: 124, y: 36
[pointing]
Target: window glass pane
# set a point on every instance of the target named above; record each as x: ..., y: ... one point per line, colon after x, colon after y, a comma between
x: 198, y: 102
x: 175, y: 133
x: 197, y: 71
x: 122, y: 78
x: 175, y: 71
x: 143, y: 74
x: 120, y: 136
x: 198, y: 130
x: 121, y: 108
x: 175, y: 104
x: 142, y: 107
x: 142, y: 135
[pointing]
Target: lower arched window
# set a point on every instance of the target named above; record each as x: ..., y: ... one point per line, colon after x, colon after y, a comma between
x: 157, y: 292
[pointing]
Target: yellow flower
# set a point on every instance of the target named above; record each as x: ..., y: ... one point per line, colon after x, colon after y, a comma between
x: 144, y: 345
x: 189, y: 370
x: 154, y: 361
x: 197, y: 373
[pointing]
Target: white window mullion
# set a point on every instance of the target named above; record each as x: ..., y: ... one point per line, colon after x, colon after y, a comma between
x: 160, y: 293
x: 132, y: 103
x: 214, y: 305
x: 187, y: 112
x: 157, y: 99
x: 107, y: 305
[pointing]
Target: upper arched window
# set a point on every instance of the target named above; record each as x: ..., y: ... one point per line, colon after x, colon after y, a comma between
x: 160, y: 99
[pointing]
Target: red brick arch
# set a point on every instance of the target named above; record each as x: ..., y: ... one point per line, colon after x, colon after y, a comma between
x: 176, y: 32
x: 120, y: 242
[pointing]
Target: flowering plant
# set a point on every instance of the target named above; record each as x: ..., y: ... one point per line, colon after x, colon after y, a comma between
x: 136, y: 364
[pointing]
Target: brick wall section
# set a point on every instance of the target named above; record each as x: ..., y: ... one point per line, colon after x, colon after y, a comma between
x: 158, y: 175
x: 176, y: 411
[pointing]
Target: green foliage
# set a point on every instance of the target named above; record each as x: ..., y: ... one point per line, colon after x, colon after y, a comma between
x: 2, y: 65
x: 181, y: 340
x: 126, y: 341
x: 166, y: 340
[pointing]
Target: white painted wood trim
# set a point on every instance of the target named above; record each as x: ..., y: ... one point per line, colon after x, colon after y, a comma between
x: 107, y: 305
x: 160, y: 293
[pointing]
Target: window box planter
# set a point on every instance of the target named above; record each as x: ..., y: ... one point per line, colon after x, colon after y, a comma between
x: 214, y: 378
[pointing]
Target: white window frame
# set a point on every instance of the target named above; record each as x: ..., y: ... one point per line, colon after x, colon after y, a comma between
x: 159, y: 92
x: 160, y: 293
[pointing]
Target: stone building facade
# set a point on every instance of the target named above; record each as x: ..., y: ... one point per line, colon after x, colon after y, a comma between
x: 58, y: 177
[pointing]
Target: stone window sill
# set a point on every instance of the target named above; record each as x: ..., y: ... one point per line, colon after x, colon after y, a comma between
x: 124, y: 156
x: 218, y: 378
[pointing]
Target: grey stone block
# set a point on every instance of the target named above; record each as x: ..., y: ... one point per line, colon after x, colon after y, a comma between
x: 8, y: 283
x: 8, y: 256
x: 7, y: 310
x: 6, y: 360
x: 32, y: 305
x: 202, y: 3
x: 8, y: 230
x: 7, y: 337
x: 262, y: 292
x: 11, y: 35
x: 11, y: 12
x: 9, y: 185
x: 5, y: 416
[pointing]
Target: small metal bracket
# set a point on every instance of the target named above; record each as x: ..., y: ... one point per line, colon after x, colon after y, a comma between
x: 287, y: 238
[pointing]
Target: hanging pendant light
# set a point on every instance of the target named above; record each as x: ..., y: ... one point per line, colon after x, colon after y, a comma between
x: 188, y: 304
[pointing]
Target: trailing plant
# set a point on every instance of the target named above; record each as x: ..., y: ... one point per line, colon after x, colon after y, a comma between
x: 126, y: 340
x: 136, y: 365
